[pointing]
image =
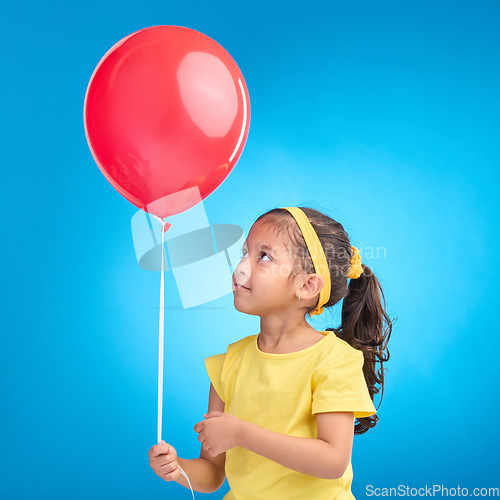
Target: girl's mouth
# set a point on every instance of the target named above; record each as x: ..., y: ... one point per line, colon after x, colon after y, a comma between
x: 239, y: 287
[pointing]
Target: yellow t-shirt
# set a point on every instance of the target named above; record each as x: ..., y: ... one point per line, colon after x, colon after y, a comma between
x: 283, y: 392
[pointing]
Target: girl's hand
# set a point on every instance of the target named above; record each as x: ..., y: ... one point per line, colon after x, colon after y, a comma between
x: 219, y: 432
x: 163, y: 460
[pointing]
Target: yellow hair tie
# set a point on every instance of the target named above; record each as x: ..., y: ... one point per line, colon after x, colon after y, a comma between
x: 319, y: 259
x: 355, y: 270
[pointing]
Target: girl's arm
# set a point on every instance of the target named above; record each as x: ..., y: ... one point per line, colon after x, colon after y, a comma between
x: 207, y: 474
x: 325, y: 457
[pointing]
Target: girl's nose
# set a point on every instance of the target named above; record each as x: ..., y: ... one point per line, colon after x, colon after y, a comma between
x: 242, y: 271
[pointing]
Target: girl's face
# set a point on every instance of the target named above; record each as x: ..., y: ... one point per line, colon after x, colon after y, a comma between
x: 260, y: 282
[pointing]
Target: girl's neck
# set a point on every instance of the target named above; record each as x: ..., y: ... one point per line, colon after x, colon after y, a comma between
x: 278, y: 332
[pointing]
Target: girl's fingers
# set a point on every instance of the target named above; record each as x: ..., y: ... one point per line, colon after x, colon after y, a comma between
x: 164, y: 460
x: 172, y: 474
x: 162, y: 449
x: 169, y: 464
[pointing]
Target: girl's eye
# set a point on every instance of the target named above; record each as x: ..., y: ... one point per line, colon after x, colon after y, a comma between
x: 264, y: 253
x: 244, y: 252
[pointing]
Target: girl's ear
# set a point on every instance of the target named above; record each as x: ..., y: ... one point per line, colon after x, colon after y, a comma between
x: 311, y: 287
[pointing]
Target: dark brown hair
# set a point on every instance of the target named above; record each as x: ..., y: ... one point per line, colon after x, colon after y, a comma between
x: 363, y: 315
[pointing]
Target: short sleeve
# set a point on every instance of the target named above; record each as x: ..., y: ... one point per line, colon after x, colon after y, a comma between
x: 214, y: 366
x: 342, y: 387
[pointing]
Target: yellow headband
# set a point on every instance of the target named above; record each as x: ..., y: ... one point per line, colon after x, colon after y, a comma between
x: 319, y: 259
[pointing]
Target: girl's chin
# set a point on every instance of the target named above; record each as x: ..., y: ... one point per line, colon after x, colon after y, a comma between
x: 240, y: 306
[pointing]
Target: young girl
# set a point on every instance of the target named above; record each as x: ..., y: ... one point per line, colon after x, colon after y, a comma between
x: 283, y: 403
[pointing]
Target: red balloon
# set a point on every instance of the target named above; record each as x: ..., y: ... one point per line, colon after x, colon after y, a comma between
x: 166, y: 116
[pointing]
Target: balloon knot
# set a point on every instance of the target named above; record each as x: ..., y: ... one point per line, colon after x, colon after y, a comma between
x: 166, y: 226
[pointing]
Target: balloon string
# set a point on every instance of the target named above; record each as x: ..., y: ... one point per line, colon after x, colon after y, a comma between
x: 165, y: 226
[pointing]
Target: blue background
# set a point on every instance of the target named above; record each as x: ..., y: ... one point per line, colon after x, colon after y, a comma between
x: 384, y: 114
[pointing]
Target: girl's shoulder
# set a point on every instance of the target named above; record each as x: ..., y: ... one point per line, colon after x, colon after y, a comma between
x: 340, y: 348
x: 241, y: 344
x: 234, y: 348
